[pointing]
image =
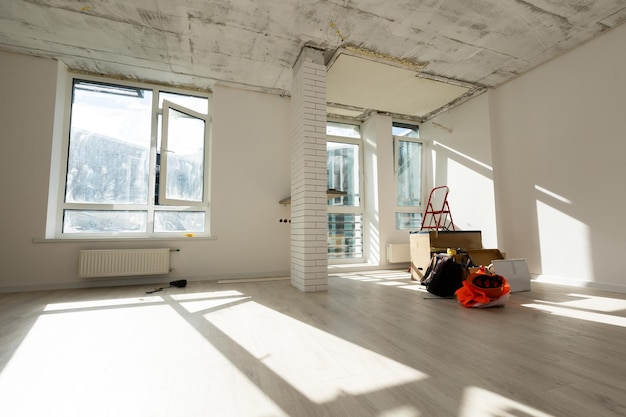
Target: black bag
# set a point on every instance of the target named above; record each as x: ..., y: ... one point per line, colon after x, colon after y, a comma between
x: 443, y: 276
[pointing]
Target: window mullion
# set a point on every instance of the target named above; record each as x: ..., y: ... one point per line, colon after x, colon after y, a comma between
x: 154, y: 130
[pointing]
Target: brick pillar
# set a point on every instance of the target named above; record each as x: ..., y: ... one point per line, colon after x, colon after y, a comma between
x: 309, y: 244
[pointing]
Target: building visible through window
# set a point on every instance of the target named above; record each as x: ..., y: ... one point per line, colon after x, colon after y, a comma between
x: 345, y: 214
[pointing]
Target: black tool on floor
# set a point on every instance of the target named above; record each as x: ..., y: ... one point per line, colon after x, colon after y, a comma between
x: 181, y: 283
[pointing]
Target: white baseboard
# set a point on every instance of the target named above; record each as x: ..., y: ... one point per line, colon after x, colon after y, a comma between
x: 124, y: 281
x: 572, y: 282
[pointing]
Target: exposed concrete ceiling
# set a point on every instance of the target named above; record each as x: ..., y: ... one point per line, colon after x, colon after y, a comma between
x: 409, y: 58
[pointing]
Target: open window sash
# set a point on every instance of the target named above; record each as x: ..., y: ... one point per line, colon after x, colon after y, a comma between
x: 183, y: 152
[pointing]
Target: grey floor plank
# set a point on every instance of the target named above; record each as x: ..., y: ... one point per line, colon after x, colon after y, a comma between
x: 374, y: 345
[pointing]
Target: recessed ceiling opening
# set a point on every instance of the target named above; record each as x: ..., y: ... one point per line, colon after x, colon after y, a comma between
x: 360, y: 85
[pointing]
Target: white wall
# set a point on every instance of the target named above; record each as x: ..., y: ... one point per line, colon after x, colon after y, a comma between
x: 250, y: 174
x: 559, y: 150
x: 459, y: 142
x: 28, y: 88
x: 379, y: 190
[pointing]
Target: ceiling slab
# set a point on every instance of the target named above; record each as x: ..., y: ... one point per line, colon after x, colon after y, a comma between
x: 254, y: 44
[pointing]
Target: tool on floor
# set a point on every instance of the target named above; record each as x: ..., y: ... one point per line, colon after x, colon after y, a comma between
x: 181, y: 283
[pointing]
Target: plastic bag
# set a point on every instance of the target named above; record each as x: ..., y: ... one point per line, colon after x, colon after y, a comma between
x: 482, y: 289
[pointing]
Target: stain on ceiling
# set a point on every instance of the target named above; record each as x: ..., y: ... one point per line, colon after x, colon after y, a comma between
x: 412, y: 59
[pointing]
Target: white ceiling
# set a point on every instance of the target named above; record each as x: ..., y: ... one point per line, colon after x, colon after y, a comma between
x: 409, y: 58
x: 357, y: 85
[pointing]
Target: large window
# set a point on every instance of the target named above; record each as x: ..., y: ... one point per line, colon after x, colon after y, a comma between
x: 409, y: 178
x: 137, y: 162
x: 345, y: 216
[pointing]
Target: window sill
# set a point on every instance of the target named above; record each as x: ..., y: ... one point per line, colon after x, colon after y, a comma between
x: 330, y: 194
x: 123, y: 239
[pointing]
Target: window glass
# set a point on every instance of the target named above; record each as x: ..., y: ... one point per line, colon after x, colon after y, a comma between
x: 198, y: 104
x: 343, y: 129
x: 99, y: 221
x: 183, y: 160
x: 409, y: 180
x: 345, y: 236
x: 345, y: 215
x: 179, y: 221
x: 109, y: 145
x: 342, y: 166
x: 408, y: 221
x: 405, y: 130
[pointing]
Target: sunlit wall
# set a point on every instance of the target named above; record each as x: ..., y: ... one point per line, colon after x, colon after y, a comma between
x: 558, y: 143
x: 460, y: 146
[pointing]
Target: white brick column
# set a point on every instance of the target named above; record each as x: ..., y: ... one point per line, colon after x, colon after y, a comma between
x: 309, y: 244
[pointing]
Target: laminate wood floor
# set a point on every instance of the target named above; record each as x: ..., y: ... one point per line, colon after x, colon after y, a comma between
x: 374, y: 345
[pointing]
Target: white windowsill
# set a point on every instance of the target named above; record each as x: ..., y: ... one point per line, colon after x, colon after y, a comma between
x: 124, y: 239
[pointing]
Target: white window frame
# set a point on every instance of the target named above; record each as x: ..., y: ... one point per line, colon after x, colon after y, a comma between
x: 165, y: 153
x: 59, y: 205
x: 409, y: 209
x: 356, y: 210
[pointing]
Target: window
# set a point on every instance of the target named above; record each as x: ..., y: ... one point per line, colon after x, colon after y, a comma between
x: 409, y: 178
x: 405, y: 130
x: 345, y: 215
x: 137, y: 162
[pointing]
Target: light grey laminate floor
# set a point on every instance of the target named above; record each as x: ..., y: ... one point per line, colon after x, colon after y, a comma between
x: 374, y: 345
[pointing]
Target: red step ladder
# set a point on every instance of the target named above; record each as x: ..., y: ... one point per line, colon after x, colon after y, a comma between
x: 440, y: 219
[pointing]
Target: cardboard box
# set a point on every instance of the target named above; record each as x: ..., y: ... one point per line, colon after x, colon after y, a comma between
x: 515, y: 271
x: 423, y: 244
x: 484, y: 256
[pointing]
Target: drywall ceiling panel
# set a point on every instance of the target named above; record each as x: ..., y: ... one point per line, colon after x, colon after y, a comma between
x: 368, y: 84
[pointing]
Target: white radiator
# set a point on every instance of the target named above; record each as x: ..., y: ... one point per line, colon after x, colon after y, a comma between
x: 123, y: 262
x: 398, y: 252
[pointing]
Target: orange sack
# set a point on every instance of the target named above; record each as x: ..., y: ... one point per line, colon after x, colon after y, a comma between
x: 483, y: 289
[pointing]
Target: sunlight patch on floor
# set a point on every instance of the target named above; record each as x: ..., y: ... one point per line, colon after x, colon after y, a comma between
x: 124, y: 362
x: 391, y: 283
x: 398, y: 279
x: 319, y: 365
x: 103, y: 303
x: 211, y: 294
x: 479, y: 402
x: 414, y: 287
x: 401, y: 411
x: 200, y: 305
x: 578, y: 314
x: 592, y: 302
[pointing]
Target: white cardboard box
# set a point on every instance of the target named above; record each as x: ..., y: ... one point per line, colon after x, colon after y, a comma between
x: 515, y: 271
